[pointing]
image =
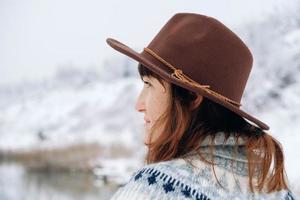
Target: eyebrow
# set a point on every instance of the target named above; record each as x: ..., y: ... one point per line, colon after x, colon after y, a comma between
x: 146, y: 77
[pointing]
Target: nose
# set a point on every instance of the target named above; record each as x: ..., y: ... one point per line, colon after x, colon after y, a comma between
x: 140, y: 103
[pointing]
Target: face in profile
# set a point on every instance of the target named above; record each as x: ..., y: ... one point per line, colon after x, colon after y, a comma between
x: 152, y: 101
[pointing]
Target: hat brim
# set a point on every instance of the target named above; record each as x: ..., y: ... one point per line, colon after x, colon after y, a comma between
x: 122, y: 48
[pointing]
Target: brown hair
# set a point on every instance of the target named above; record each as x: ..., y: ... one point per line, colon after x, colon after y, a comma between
x: 184, y: 131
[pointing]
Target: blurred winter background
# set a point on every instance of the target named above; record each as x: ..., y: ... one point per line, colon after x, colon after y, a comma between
x: 68, y: 128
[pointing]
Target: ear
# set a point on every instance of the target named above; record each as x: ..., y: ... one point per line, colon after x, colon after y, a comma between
x: 196, y: 102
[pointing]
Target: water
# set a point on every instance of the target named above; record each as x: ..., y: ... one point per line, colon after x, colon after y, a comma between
x: 16, y: 183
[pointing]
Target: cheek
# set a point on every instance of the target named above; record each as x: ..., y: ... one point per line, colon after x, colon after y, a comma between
x: 157, y: 104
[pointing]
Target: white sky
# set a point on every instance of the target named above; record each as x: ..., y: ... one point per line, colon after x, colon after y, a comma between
x: 38, y: 36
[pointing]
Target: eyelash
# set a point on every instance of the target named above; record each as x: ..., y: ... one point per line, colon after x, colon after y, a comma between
x: 147, y: 83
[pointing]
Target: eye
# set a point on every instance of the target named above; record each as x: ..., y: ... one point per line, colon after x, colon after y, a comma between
x: 147, y: 83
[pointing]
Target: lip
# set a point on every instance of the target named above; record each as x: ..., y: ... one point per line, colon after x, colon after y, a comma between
x: 146, y: 120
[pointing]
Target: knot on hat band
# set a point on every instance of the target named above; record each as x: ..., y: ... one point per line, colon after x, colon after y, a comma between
x: 181, y: 76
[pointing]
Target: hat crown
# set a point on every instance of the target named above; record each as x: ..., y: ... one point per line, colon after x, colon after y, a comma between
x: 206, y: 51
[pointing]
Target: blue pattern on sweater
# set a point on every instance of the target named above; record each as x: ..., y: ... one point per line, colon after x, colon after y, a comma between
x: 169, y: 183
x: 289, y: 196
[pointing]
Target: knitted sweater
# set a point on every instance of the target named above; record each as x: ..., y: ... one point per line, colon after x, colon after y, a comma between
x: 193, y: 179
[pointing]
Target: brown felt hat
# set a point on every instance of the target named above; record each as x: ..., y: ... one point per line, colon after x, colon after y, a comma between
x: 201, y: 54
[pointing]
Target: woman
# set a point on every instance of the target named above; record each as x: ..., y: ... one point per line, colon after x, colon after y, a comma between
x: 201, y: 144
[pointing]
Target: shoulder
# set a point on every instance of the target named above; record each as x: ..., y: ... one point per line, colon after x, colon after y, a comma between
x: 179, y: 179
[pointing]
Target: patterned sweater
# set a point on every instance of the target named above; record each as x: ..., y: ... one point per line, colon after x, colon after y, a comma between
x: 193, y: 179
